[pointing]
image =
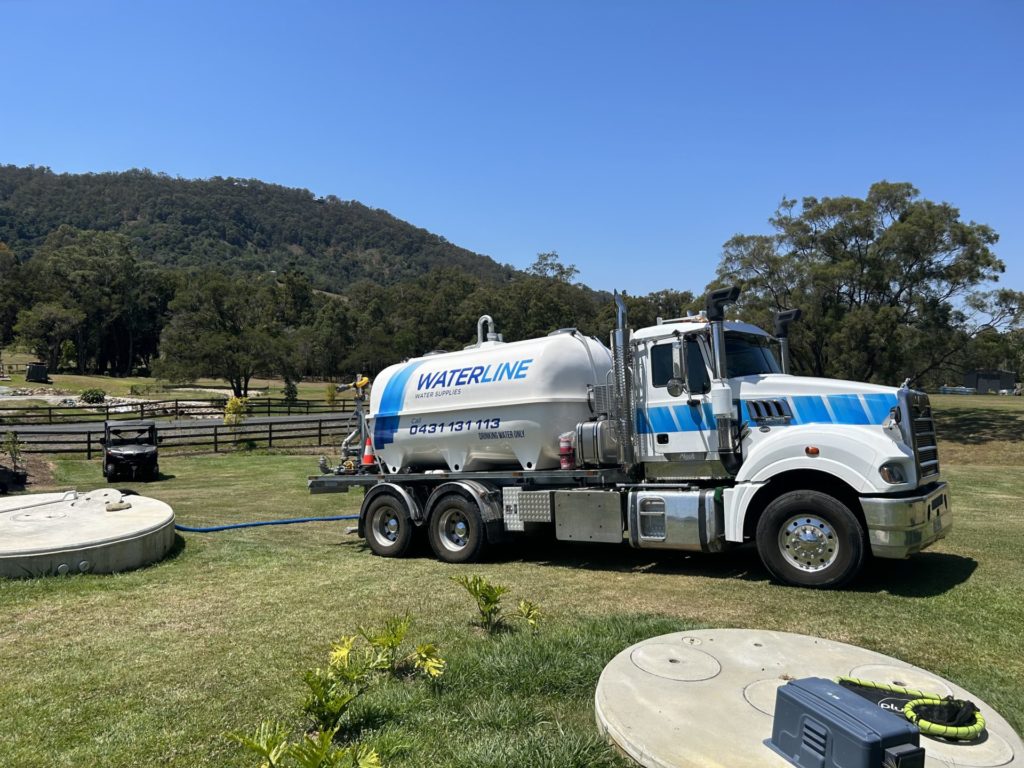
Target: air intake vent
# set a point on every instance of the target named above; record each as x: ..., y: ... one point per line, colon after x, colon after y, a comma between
x: 814, y: 738
x: 769, y: 410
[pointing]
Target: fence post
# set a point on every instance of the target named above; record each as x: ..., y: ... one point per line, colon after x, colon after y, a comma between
x: 142, y: 411
x: 319, y: 432
x: 88, y: 446
x: 215, y: 438
x: 176, y: 410
x: 270, y: 435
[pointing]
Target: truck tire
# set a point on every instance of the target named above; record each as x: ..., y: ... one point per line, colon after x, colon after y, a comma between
x: 388, y: 527
x: 456, y: 530
x: 110, y: 472
x: 810, y: 539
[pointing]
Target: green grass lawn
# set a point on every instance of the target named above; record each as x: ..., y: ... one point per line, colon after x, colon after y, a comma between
x: 152, y: 667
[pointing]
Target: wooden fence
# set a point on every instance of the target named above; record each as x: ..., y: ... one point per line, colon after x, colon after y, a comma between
x: 328, y: 430
x: 163, y: 409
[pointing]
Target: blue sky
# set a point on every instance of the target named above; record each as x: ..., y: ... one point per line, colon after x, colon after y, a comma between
x: 632, y: 138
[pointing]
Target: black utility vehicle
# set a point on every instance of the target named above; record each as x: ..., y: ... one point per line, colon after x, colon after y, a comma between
x: 129, y: 448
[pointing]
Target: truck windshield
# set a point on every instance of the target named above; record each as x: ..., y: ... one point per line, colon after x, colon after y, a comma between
x: 749, y: 355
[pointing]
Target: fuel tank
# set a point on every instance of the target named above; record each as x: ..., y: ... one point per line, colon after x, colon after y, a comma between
x: 492, y: 406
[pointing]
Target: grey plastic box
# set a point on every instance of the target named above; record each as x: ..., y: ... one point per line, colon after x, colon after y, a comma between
x: 820, y: 724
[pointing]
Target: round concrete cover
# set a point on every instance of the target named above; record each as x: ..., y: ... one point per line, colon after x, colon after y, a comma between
x: 707, y: 697
x: 102, y: 531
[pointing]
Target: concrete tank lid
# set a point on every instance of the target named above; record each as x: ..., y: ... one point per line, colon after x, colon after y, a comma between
x: 707, y: 698
x: 43, y: 523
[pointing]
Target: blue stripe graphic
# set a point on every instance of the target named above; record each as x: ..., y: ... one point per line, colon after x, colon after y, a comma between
x: 643, y: 427
x: 694, y: 418
x: 807, y: 409
x: 878, y: 406
x: 661, y: 419
x: 810, y: 410
x: 848, y: 409
x: 386, y: 424
x: 744, y: 411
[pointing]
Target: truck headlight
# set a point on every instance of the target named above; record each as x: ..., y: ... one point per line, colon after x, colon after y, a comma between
x: 892, y: 472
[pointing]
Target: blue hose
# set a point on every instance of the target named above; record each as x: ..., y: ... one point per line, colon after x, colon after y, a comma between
x: 215, y: 528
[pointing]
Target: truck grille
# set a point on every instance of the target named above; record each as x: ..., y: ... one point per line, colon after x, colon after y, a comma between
x: 917, y: 413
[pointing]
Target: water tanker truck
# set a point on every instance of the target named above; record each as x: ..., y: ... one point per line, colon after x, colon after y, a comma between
x: 687, y: 435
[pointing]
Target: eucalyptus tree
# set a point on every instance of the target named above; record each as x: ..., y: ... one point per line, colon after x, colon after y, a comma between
x: 887, y: 283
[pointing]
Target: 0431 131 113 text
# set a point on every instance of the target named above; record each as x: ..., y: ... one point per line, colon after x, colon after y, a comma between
x: 465, y: 425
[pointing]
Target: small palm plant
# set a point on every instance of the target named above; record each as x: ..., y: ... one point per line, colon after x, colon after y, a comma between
x: 488, y: 599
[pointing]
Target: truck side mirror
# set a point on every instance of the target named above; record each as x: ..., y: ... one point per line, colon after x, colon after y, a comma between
x: 677, y: 384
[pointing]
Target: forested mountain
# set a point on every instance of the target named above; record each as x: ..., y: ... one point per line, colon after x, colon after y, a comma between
x: 219, y: 223
x: 116, y: 272
x: 113, y: 272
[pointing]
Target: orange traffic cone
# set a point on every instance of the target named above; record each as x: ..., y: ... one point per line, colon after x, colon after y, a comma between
x: 368, y: 458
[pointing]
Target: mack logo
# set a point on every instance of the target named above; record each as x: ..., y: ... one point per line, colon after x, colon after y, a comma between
x: 476, y: 374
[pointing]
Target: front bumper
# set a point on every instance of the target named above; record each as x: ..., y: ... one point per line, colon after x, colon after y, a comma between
x: 899, y: 526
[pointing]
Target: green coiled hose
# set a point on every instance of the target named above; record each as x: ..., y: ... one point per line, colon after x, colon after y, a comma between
x: 926, y: 702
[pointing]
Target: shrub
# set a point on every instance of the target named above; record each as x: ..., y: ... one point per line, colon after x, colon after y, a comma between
x: 235, y: 410
x: 351, y: 671
x: 488, y: 599
x: 13, y: 448
x: 270, y: 742
x: 93, y: 396
x: 488, y: 603
x: 530, y: 613
x: 331, y: 394
x: 291, y: 391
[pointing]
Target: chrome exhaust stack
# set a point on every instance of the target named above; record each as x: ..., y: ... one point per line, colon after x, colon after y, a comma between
x: 782, y: 322
x: 623, y: 384
x: 721, y: 392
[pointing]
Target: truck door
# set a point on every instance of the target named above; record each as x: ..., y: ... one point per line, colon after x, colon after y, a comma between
x: 676, y: 429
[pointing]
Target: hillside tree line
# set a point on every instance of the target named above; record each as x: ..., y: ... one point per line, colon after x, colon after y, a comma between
x: 139, y: 272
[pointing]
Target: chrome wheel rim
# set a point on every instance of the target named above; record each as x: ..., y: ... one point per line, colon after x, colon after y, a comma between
x: 386, y: 528
x: 454, y: 530
x: 809, y: 543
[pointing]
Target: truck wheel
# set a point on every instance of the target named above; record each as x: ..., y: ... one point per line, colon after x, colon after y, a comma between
x: 388, y: 527
x: 110, y: 472
x: 810, y: 539
x: 456, y: 530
